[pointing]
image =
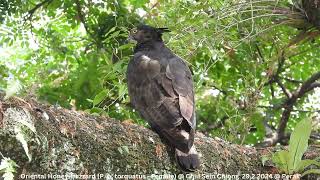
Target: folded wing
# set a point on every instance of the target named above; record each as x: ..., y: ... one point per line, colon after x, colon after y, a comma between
x: 162, y: 91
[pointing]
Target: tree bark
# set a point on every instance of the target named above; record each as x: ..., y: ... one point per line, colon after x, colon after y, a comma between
x: 66, y: 142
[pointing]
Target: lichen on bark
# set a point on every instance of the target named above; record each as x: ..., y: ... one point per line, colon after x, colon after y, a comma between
x: 73, y: 142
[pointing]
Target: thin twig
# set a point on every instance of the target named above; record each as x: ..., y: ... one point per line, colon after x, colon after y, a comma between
x: 284, y: 89
x: 292, y: 80
x: 260, y: 53
x: 36, y: 7
x: 244, y: 20
x: 293, y: 110
x: 82, y: 19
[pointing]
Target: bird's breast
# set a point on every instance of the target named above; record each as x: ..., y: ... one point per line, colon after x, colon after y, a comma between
x: 149, y: 67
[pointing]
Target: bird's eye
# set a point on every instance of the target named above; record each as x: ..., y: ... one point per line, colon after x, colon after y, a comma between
x: 134, y: 31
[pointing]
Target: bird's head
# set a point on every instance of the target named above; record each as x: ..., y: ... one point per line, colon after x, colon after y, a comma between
x: 144, y: 33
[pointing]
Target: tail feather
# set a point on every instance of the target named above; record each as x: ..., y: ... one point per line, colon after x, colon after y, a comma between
x: 188, y: 161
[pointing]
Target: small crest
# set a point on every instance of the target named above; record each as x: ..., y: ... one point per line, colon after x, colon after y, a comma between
x: 162, y: 30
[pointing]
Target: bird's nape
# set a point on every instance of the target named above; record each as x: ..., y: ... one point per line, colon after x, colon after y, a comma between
x: 153, y: 29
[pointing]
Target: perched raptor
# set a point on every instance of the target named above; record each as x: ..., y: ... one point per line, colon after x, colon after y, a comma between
x: 161, y: 90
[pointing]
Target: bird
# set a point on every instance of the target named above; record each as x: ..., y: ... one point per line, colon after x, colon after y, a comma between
x: 160, y: 88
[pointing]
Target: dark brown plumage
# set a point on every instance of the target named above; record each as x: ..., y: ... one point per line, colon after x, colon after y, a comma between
x: 161, y: 90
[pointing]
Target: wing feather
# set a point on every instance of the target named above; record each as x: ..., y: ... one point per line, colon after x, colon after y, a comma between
x: 167, y: 85
x: 186, y: 107
x: 183, y: 86
x: 162, y: 91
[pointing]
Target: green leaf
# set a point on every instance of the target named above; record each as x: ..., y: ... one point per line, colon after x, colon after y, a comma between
x: 100, y: 97
x: 95, y: 114
x: 281, y: 159
x: 89, y: 100
x: 27, y: 123
x: 298, y: 143
x: 307, y: 162
x: 125, y: 46
x: 110, y: 31
x: 120, y: 150
x: 290, y: 2
x: 8, y: 168
x: 264, y: 159
x: 96, y: 110
x: 139, y: 3
x: 8, y: 176
x: 22, y: 139
x: 123, y: 150
x: 122, y: 90
x: 311, y: 171
x: 13, y: 87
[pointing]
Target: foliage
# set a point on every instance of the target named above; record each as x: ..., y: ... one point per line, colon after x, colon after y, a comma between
x: 7, y: 168
x: 12, y: 88
x: 73, y: 54
x: 290, y: 161
x: 23, y: 137
x: 22, y: 129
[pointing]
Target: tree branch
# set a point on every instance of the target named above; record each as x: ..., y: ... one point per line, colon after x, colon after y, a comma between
x: 260, y: 53
x: 313, y: 85
x: 64, y: 141
x: 272, y: 91
x: 293, y: 110
x: 37, y: 6
x: 307, y: 86
x: 275, y: 76
x: 292, y: 80
x: 284, y: 89
x: 82, y: 19
x: 292, y: 98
